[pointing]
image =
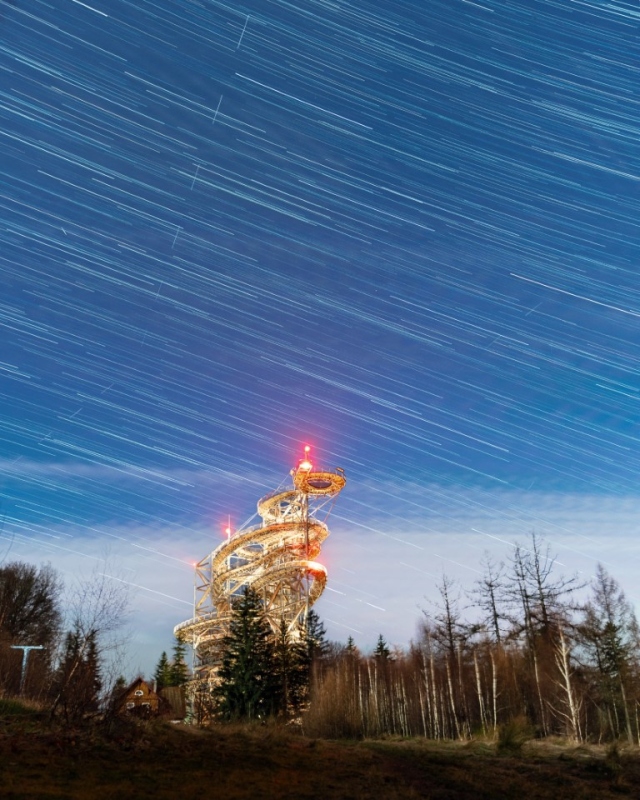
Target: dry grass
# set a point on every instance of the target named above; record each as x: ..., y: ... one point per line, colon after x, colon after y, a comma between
x: 161, y: 761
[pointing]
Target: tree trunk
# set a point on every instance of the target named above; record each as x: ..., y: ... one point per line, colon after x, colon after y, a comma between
x: 483, y: 720
x: 494, y: 687
x: 453, y: 702
x: 543, y: 716
x: 564, y: 667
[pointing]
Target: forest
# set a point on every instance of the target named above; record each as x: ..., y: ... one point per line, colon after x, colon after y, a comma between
x: 524, y: 653
x: 58, y: 651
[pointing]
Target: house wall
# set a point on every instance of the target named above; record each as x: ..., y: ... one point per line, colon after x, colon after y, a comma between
x: 140, y: 694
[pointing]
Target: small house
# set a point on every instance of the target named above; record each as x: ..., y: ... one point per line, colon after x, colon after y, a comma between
x: 139, y: 698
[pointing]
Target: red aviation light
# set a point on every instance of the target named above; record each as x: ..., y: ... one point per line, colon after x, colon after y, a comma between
x: 305, y: 465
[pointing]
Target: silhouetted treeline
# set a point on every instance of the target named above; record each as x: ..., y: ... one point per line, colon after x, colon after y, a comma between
x: 62, y: 669
x: 30, y: 615
x: 517, y: 646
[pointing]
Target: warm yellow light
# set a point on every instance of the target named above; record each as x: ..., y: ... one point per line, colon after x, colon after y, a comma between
x: 305, y: 465
x: 307, y: 448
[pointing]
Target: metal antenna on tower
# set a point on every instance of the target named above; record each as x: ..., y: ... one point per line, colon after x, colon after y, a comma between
x: 306, y: 466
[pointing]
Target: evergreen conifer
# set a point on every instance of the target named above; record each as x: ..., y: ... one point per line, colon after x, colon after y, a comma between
x: 382, y: 652
x: 162, y: 675
x: 315, y: 637
x: 292, y: 663
x: 77, y: 683
x: 178, y: 673
x: 248, y: 687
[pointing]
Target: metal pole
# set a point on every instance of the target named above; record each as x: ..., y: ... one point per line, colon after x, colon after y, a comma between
x: 306, y: 555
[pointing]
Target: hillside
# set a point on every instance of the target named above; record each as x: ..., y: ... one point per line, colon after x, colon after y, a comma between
x: 158, y: 760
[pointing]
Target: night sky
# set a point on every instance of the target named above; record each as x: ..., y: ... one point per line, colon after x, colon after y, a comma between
x: 405, y: 233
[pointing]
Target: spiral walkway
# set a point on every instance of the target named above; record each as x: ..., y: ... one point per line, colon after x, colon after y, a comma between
x: 276, y: 558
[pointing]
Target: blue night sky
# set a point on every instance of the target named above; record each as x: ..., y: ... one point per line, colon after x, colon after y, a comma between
x: 405, y: 233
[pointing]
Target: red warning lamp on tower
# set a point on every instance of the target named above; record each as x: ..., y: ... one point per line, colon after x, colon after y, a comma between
x: 305, y: 464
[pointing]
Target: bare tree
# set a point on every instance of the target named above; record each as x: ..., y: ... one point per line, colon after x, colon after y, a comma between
x: 488, y: 595
x: 447, y: 627
x: 569, y: 706
x: 544, y: 599
x: 452, y: 634
x: 98, y: 610
x: 30, y: 614
x: 29, y: 603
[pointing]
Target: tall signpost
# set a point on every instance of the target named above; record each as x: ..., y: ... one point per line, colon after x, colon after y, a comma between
x: 26, y: 649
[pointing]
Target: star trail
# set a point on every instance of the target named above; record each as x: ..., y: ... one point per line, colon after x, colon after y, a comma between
x: 404, y: 233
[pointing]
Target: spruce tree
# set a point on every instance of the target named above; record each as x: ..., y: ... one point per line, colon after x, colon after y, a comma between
x: 77, y: 683
x: 292, y: 664
x: 350, y: 648
x: 120, y: 684
x: 382, y: 652
x: 610, y: 637
x: 178, y: 673
x: 162, y: 675
x: 315, y: 637
x: 93, y: 678
x: 248, y: 687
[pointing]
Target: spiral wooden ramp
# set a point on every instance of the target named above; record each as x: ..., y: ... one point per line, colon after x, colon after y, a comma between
x: 276, y: 558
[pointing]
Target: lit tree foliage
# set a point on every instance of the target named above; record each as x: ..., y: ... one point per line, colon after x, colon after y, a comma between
x: 248, y: 687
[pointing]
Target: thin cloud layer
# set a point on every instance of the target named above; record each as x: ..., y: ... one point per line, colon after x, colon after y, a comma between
x: 382, y: 570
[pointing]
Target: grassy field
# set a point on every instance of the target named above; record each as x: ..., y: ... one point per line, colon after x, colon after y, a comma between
x: 156, y: 760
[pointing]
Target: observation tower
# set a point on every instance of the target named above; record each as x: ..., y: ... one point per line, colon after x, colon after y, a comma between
x: 276, y: 558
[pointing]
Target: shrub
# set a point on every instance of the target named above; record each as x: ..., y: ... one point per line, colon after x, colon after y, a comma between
x: 513, y: 735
